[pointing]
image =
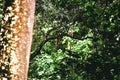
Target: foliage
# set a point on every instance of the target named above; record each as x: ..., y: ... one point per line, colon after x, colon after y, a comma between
x: 88, y: 36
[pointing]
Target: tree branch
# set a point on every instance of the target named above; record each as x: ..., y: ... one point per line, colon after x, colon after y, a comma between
x: 74, y: 36
x: 37, y: 51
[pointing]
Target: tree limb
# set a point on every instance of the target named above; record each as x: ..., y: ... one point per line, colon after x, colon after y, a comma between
x: 37, y: 51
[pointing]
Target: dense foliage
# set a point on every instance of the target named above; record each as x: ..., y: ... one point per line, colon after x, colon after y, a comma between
x: 76, y: 40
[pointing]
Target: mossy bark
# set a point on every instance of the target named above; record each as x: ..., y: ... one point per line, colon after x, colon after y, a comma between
x: 15, y: 39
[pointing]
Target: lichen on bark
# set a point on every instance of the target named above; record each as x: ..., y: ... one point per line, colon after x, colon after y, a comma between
x: 7, y: 40
x: 15, y: 38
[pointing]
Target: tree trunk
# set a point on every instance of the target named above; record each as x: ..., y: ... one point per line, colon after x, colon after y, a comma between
x: 15, y: 39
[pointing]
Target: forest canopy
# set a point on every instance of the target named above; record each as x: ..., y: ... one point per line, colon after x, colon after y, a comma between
x: 75, y: 40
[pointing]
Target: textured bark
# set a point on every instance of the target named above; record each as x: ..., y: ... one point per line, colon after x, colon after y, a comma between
x: 15, y: 39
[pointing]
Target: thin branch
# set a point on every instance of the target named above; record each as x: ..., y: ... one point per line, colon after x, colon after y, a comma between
x: 49, y: 31
x: 37, y: 51
x: 73, y: 37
